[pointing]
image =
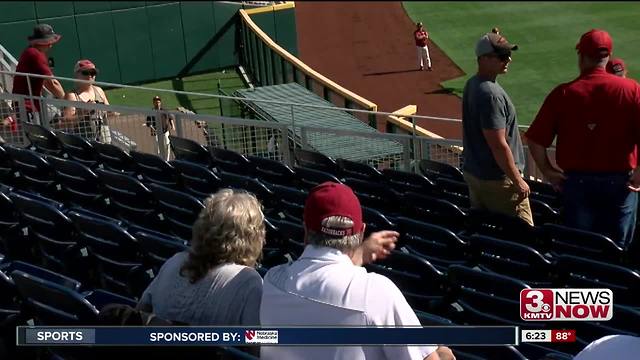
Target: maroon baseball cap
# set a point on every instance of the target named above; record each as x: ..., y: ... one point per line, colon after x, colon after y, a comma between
x: 596, y: 43
x: 85, y: 64
x: 332, y: 199
x: 615, y: 66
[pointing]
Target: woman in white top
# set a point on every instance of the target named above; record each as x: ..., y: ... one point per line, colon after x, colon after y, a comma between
x: 90, y: 124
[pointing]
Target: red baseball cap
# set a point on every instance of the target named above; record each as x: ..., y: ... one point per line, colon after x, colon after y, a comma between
x: 596, y: 43
x: 332, y: 199
x: 85, y: 64
x: 615, y: 66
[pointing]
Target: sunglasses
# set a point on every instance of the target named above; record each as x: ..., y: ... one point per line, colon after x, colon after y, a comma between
x: 88, y: 72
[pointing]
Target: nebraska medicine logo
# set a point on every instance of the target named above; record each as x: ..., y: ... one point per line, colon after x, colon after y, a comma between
x: 261, y: 336
x: 566, y: 304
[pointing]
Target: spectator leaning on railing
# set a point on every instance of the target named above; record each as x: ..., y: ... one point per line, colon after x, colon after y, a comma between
x: 33, y: 60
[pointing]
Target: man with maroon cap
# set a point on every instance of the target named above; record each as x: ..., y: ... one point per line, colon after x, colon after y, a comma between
x: 327, y: 285
x: 421, y: 37
x: 596, y: 119
x: 33, y: 60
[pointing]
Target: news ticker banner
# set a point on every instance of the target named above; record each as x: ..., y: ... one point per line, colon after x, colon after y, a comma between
x: 236, y: 336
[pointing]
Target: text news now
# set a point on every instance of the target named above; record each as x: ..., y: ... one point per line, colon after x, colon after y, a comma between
x: 203, y: 336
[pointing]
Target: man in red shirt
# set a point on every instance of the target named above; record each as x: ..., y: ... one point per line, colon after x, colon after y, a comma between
x: 421, y: 36
x: 33, y: 60
x: 596, y: 119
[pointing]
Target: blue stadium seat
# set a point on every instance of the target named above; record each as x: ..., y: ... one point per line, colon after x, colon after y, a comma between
x: 11, y: 240
x: 35, y: 173
x: 403, y: 182
x: 153, y: 169
x: 503, y: 227
x: 439, y: 245
x: 576, y: 272
x: 231, y: 161
x: 179, y: 209
x: 544, y: 192
x: 454, y: 191
x: 79, y: 185
x: 42, y: 139
x: 358, y: 170
x: 422, y: 284
x: 315, y: 160
x: 78, y: 149
x: 566, y: 240
x: 129, y: 198
x: 197, y: 179
x: 427, y: 319
x: 118, y: 254
x: 435, y: 169
x: 189, y: 150
x: 291, y: 236
x: 624, y: 321
x: 289, y: 202
x: 510, y: 258
x: 272, y: 171
x: 157, y: 247
x: 435, y: 211
x: 113, y: 158
x: 374, y: 195
x: 249, y: 184
x: 543, y: 213
x: 307, y: 178
x: 376, y: 221
x: 6, y: 167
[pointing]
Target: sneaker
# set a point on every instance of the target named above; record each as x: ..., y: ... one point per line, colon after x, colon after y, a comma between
x: 430, y: 69
x: 421, y: 67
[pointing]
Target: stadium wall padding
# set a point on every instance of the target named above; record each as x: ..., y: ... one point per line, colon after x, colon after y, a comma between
x: 138, y: 41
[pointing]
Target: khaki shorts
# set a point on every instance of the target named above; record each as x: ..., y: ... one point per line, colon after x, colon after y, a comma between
x: 498, y: 196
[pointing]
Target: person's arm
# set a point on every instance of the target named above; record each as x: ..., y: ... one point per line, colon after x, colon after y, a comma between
x: 54, y: 86
x: 106, y: 101
x: 377, y: 246
x: 541, y: 158
x: 69, y: 112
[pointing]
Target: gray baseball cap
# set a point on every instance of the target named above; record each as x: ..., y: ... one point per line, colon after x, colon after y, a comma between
x: 494, y: 43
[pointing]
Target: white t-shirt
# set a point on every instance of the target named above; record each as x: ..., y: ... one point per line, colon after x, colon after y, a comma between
x: 618, y: 347
x: 324, y: 288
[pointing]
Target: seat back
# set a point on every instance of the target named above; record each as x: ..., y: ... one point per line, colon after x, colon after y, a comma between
x: 374, y: 195
x: 249, y: 184
x: 189, y: 150
x: 308, y: 178
x: 544, y: 192
x: 454, y: 191
x: 290, y: 202
x: 272, y: 171
x: 196, y: 179
x: 114, y: 158
x: 77, y: 148
x: 358, y: 170
x: 487, y: 352
x: 155, y: 170
x: 131, y: 199
x: 315, y: 160
x: 543, y: 213
x: 35, y: 172
x: 404, y: 182
x: 156, y: 247
x: 376, y: 221
x: 437, y: 244
x: 434, y: 169
x: 434, y: 211
x: 42, y: 139
x: 6, y: 166
x: 180, y: 209
x: 566, y: 240
x: 231, y: 161
x: 291, y: 235
x: 504, y: 227
x: 79, y: 184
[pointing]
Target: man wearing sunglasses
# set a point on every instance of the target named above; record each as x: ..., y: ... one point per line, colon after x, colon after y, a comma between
x: 493, y: 153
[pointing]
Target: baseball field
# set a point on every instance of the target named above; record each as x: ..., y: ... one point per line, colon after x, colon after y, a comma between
x: 546, y: 33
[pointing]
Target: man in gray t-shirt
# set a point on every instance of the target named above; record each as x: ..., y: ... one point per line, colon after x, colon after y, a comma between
x: 493, y: 153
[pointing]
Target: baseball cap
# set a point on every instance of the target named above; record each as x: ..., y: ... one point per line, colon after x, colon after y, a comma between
x: 615, y: 66
x: 84, y: 65
x: 43, y: 34
x: 332, y: 199
x: 494, y: 43
x: 595, y: 43
x: 156, y: 98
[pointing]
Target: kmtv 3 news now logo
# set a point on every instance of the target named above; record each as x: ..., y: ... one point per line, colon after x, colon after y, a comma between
x: 261, y: 336
x: 566, y: 304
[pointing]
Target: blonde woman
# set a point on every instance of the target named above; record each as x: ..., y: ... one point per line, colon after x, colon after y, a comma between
x: 90, y: 124
x: 214, y: 282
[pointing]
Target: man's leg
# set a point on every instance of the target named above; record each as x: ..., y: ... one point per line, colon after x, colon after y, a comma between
x: 475, y: 191
x: 420, y: 57
x: 426, y: 52
x: 578, y: 200
x: 617, y: 210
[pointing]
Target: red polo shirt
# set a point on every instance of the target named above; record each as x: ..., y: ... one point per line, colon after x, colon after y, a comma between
x: 420, y: 37
x: 31, y: 61
x: 596, y: 119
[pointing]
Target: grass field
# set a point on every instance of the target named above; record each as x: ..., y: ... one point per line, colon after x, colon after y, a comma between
x: 546, y: 33
x: 202, y: 83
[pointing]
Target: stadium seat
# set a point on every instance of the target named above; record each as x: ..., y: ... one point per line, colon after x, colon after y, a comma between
x: 513, y: 259
x: 550, y: 352
x: 35, y: 173
x: 231, y: 161
x: 566, y: 240
x: 189, y: 150
x: 249, y: 184
x: 117, y: 252
x: 315, y: 160
x: 52, y: 232
x: 79, y: 185
x: 179, y: 209
x: 434, y: 169
x: 129, y: 198
x: 307, y: 178
x: 376, y: 221
x: 454, y: 191
x: 374, y: 195
x: 439, y: 245
x: 42, y: 139
x: 113, y: 158
x: 544, y: 192
x: 624, y: 321
x: 504, y: 227
x: 427, y: 319
x: 434, y: 211
x: 291, y: 236
x: 153, y: 169
x: 11, y: 240
x: 543, y: 213
x: 289, y: 202
x: 422, y: 284
x: 576, y: 272
x: 271, y: 171
x: 358, y: 170
x: 404, y: 182
x: 197, y: 179
x: 487, y: 352
x: 157, y: 247
x: 78, y: 149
